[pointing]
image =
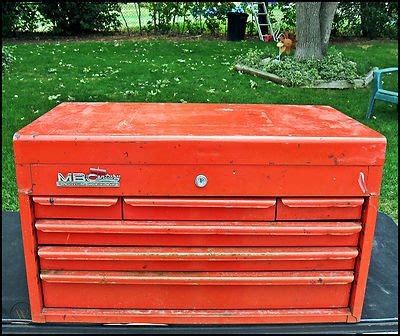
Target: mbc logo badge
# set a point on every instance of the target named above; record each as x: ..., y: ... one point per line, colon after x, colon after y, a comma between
x: 96, y: 178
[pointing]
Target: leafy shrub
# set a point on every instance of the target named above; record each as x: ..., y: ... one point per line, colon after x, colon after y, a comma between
x: 81, y: 17
x: 162, y: 14
x: 252, y: 58
x: 288, y: 20
x: 19, y: 17
x: 214, y: 14
x: 366, y: 19
x: 6, y: 58
x: 298, y: 73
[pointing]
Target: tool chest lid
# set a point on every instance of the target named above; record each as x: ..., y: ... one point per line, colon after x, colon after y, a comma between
x: 191, y: 120
x: 204, y: 123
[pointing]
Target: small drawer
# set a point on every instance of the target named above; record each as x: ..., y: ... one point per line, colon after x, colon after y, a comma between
x: 199, y: 209
x: 196, y: 258
x: 319, y: 208
x: 196, y: 233
x: 77, y: 207
x: 196, y: 290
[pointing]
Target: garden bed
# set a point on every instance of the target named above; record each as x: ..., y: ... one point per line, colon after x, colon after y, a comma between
x: 334, y: 71
x: 318, y: 84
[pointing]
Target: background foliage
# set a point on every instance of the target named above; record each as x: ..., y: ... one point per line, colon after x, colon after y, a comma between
x: 366, y: 19
x: 352, y: 19
x: 6, y: 58
x: 81, y: 17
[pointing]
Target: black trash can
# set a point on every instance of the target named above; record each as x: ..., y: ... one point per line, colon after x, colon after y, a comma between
x: 237, y: 26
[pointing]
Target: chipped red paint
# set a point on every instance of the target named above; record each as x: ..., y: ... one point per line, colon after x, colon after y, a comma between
x: 282, y: 231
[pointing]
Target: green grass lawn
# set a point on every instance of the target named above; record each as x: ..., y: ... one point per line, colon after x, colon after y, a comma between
x: 46, y: 74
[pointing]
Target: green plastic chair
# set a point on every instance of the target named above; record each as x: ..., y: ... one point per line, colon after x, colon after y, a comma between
x: 379, y: 93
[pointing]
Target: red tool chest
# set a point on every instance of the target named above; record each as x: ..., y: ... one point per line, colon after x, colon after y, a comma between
x: 197, y: 213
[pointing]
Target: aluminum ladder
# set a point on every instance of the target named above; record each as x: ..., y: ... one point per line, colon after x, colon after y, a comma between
x: 256, y: 15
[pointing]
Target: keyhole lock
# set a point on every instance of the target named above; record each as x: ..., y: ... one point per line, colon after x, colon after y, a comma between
x: 200, y: 181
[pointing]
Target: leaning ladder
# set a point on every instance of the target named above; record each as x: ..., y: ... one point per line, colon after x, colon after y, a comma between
x: 257, y: 14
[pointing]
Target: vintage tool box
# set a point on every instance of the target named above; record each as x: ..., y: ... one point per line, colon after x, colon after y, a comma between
x: 197, y: 213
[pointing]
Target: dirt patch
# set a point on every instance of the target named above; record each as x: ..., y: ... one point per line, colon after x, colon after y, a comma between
x: 45, y: 38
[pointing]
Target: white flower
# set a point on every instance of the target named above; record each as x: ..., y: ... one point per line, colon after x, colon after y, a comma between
x: 253, y: 84
x: 54, y: 97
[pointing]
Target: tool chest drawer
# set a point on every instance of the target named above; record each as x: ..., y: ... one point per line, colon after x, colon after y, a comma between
x: 196, y: 290
x: 196, y: 233
x: 290, y: 208
x: 77, y: 207
x: 196, y: 258
x: 199, y: 209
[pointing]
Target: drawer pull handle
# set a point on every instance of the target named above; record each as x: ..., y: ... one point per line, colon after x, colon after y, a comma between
x: 202, y: 227
x: 194, y: 254
x: 322, y: 203
x: 75, y: 201
x: 200, y: 203
x: 205, y: 278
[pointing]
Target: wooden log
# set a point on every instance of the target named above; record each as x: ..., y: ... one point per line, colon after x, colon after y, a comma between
x: 260, y: 73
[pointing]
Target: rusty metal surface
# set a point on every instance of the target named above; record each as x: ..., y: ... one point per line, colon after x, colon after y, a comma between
x: 379, y: 314
x: 196, y: 259
x: 167, y: 133
x: 197, y: 233
x: 124, y: 176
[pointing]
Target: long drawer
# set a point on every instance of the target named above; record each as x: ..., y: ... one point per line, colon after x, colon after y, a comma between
x: 197, y: 290
x: 196, y: 233
x: 196, y: 258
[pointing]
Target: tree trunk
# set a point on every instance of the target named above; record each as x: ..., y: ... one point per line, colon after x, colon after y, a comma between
x: 140, y: 17
x: 313, y: 28
x: 326, y: 16
x: 308, y: 31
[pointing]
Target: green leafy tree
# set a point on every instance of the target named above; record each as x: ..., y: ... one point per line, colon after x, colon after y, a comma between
x: 81, y: 17
x: 19, y: 17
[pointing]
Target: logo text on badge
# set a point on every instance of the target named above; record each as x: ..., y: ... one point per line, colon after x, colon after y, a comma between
x: 96, y: 178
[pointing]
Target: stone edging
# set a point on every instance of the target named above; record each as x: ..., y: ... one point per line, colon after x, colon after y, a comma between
x: 320, y: 84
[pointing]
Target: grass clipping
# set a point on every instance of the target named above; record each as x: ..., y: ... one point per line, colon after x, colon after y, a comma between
x: 332, y: 67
